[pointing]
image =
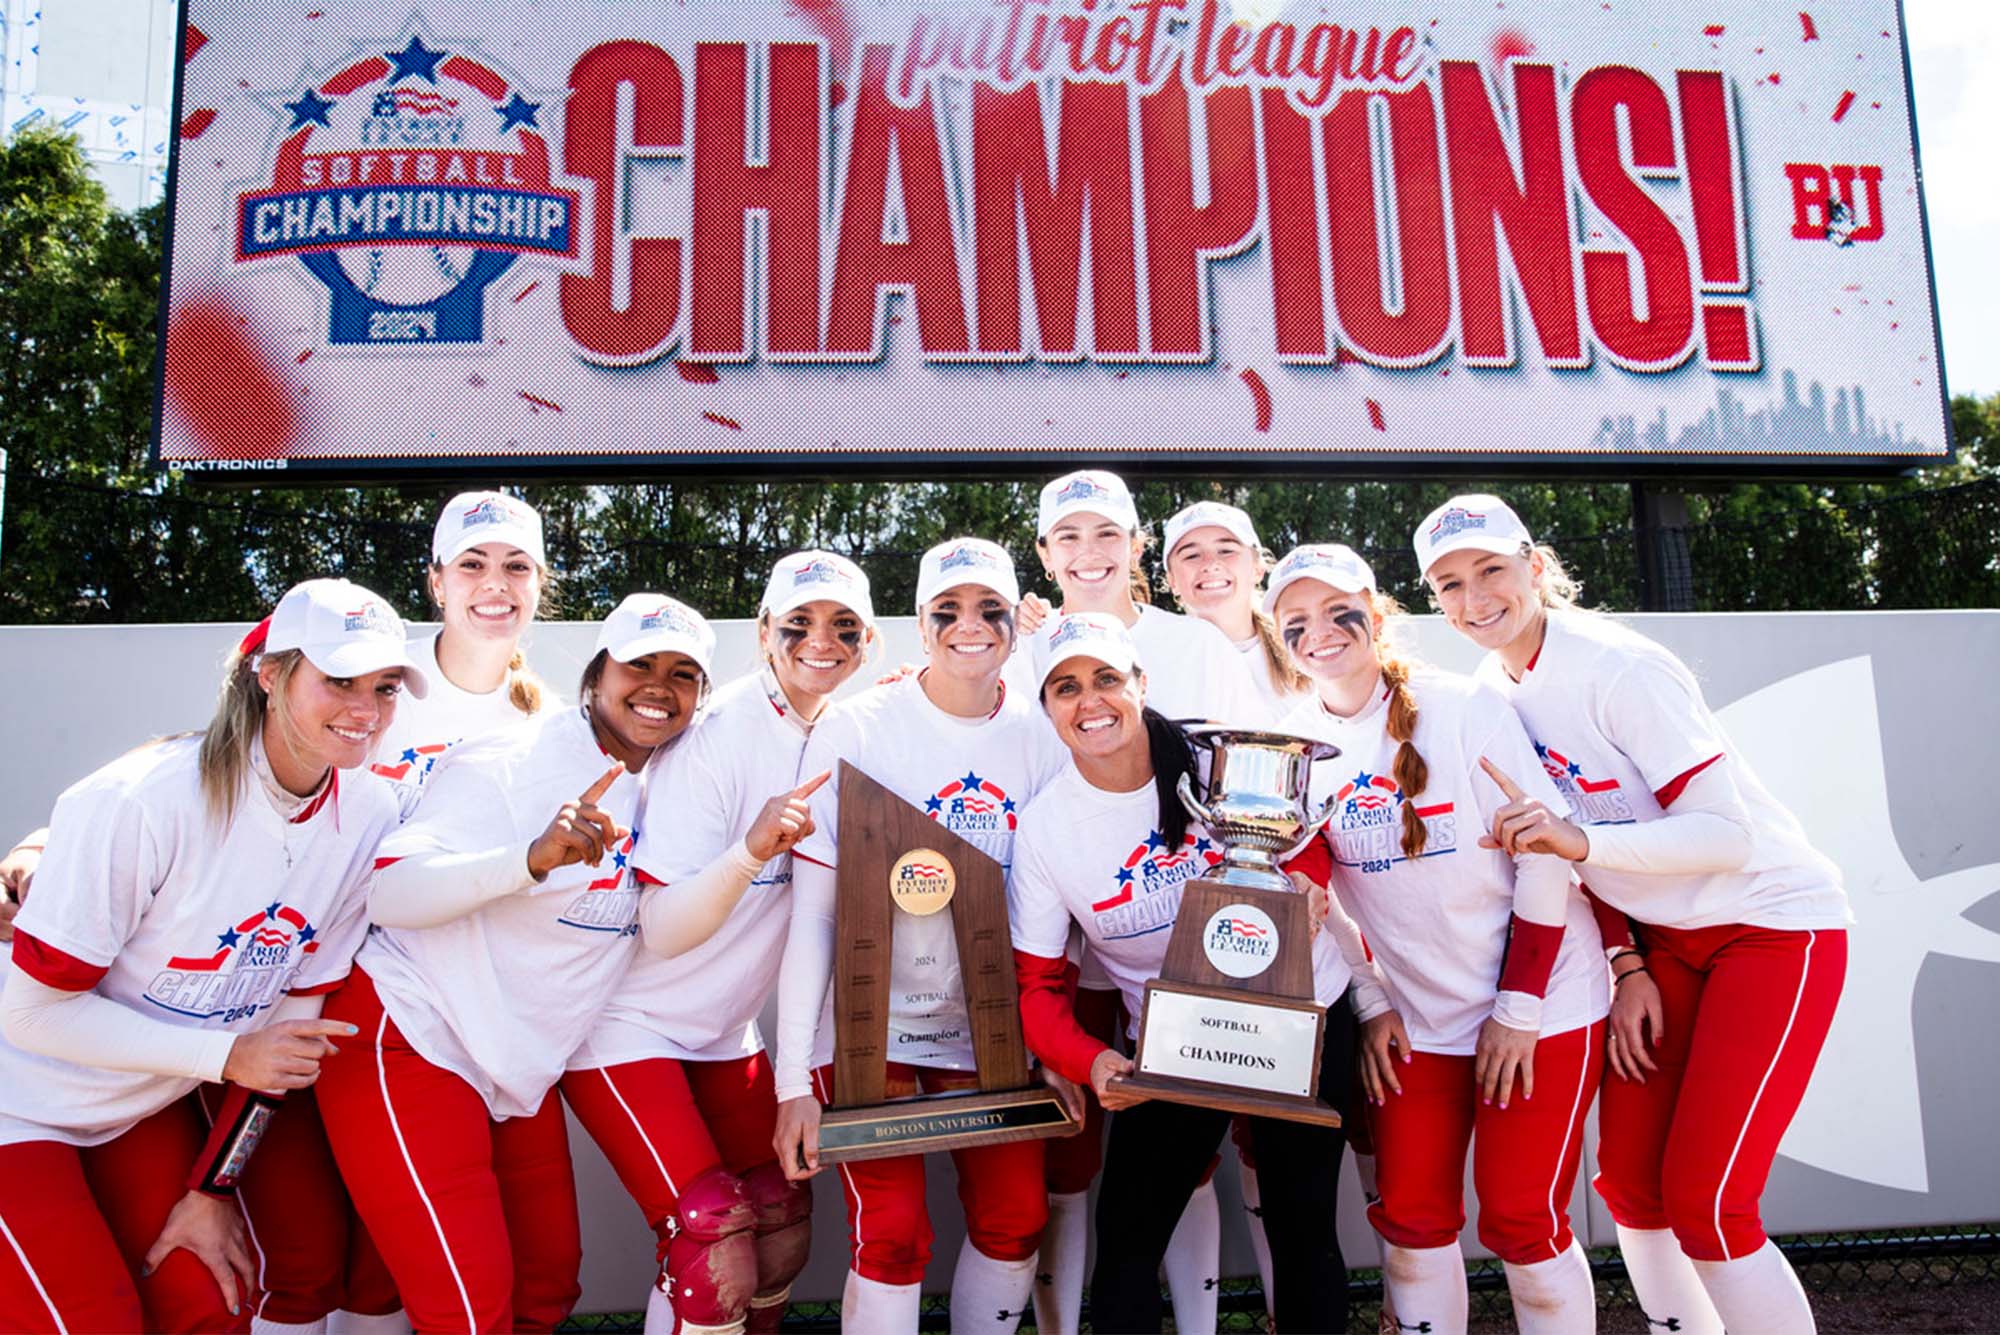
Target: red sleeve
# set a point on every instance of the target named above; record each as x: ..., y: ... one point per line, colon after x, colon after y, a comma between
x: 1314, y: 862
x: 644, y: 877
x: 1531, y: 956
x: 1048, y: 1016
x: 1679, y: 784
x: 380, y: 863
x: 1612, y: 924
x: 53, y: 968
x: 232, y: 1138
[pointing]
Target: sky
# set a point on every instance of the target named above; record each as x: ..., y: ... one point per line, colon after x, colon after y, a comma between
x: 1955, y: 67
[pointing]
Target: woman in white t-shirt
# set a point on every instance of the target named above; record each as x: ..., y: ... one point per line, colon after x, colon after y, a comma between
x: 1108, y: 847
x: 199, y: 897
x: 673, y: 1083
x: 505, y: 915
x: 954, y: 741
x: 1494, y: 1030
x: 1742, y: 923
x: 1215, y: 567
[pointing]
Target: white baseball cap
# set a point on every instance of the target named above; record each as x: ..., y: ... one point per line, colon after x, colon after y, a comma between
x: 474, y: 517
x: 342, y: 629
x: 1211, y: 514
x: 808, y: 577
x: 967, y: 561
x: 1483, y: 523
x: 1086, y: 635
x: 1089, y: 490
x: 1330, y: 563
x: 652, y: 623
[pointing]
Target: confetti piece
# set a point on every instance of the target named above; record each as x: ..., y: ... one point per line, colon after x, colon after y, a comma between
x: 304, y: 355
x: 1260, y: 395
x: 1375, y: 416
x: 1846, y: 101
x: 196, y: 40
x: 539, y: 402
x: 227, y: 389
x: 197, y: 122
x: 720, y: 420
x: 1508, y: 44
x: 1713, y: 30
x: 526, y: 290
x: 1806, y: 23
x: 698, y: 373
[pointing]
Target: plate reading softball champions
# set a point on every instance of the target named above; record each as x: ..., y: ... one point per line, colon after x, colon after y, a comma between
x: 922, y: 882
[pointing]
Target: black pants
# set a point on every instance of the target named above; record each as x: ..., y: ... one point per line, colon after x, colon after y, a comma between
x: 1157, y: 1155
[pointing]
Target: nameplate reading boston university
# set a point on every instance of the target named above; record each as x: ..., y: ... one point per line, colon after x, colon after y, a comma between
x: 897, y: 865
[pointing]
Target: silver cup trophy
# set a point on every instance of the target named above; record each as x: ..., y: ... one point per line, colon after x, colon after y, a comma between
x: 1232, y: 1021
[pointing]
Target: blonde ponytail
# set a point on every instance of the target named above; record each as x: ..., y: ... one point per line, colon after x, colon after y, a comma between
x: 240, y: 708
x: 525, y: 690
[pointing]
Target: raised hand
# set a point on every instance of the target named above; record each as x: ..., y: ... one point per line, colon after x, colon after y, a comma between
x: 1526, y: 825
x: 580, y: 832
x: 1030, y: 613
x: 785, y: 819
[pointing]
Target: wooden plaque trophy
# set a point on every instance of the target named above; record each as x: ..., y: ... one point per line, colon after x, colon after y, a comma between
x: 895, y: 860
x: 1231, y: 1022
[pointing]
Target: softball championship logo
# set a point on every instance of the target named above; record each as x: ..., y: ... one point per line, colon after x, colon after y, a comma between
x: 1455, y: 521
x: 965, y: 556
x: 922, y: 881
x: 370, y: 616
x: 407, y: 181
x: 1367, y: 825
x: 607, y: 904
x: 819, y: 570
x: 1240, y: 940
x: 671, y: 617
x: 972, y: 806
x: 496, y: 510
x: 1082, y: 489
x: 1592, y: 801
x: 1149, y: 885
x: 250, y: 967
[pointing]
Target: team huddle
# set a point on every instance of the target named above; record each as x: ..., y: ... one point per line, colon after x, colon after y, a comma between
x: 296, y: 1003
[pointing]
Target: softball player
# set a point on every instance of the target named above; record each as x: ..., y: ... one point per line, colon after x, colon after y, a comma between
x: 1215, y: 567
x: 956, y: 742
x: 1419, y: 775
x: 199, y: 897
x: 1092, y: 548
x: 504, y: 913
x: 1743, y: 923
x: 1108, y: 846
x: 673, y: 1083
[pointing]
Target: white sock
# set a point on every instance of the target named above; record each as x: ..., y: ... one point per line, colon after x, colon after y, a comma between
x: 1194, y: 1262
x: 1427, y: 1284
x: 1064, y: 1259
x: 1246, y: 1179
x: 1758, y: 1293
x: 989, y: 1296
x: 1663, y: 1280
x: 870, y: 1307
x: 259, y: 1326
x: 1364, y: 1173
x: 360, y: 1323
x: 1554, y: 1297
x: 659, y: 1311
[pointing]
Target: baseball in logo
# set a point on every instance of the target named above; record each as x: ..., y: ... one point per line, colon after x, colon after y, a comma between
x: 250, y: 967
x: 406, y: 180
x: 922, y: 882
x: 971, y: 806
x: 1240, y: 940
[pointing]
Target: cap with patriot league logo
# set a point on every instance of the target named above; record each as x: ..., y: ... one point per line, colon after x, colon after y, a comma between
x: 475, y: 517
x: 1087, y: 635
x: 1481, y: 522
x: 342, y: 629
x: 1331, y: 563
x: 1211, y: 514
x: 808, y: 577
x: 1087, y: 491
x: 967, y: 561
x: 652, y: 623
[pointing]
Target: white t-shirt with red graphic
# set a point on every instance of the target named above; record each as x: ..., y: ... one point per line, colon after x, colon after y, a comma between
x: 423, y: 730
x: 702, y: 794
x: 1192, y: 670
x: 972, y: 776
x: 1099, y: 859
x: 503, y: 995
x: 1616, y: 719
x: 1438, y: 923
x: 142, y: 899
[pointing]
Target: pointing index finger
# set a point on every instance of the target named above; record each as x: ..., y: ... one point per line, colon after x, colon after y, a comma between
x: 812, y: 785
x: 1508, y: 788
x: 595, y: 793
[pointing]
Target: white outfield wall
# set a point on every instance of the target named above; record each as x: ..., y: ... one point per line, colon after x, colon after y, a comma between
x: 1878, y: 728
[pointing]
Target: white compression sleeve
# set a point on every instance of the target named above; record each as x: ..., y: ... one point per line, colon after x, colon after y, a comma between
x: 93, y: 1030
x: 804, y: 977
x: 675, y: 919
x: 1541, y: 896
x: 426, y: 889
x: 1370, y: 997
x: 1706, y: 831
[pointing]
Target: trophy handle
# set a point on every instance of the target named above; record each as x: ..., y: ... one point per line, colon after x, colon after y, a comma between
x: 1193, y: 804
x: 1325, y: 813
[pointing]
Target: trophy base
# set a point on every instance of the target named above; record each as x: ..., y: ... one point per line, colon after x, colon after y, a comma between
x: 1229, y: 1098
x: 934, y: 1122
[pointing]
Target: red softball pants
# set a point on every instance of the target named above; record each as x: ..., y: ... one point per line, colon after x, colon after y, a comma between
x: 1746, y: 1012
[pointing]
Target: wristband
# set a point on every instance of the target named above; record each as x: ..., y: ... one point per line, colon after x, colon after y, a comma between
x: 239, y: 1127
x: 1618, y: 978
